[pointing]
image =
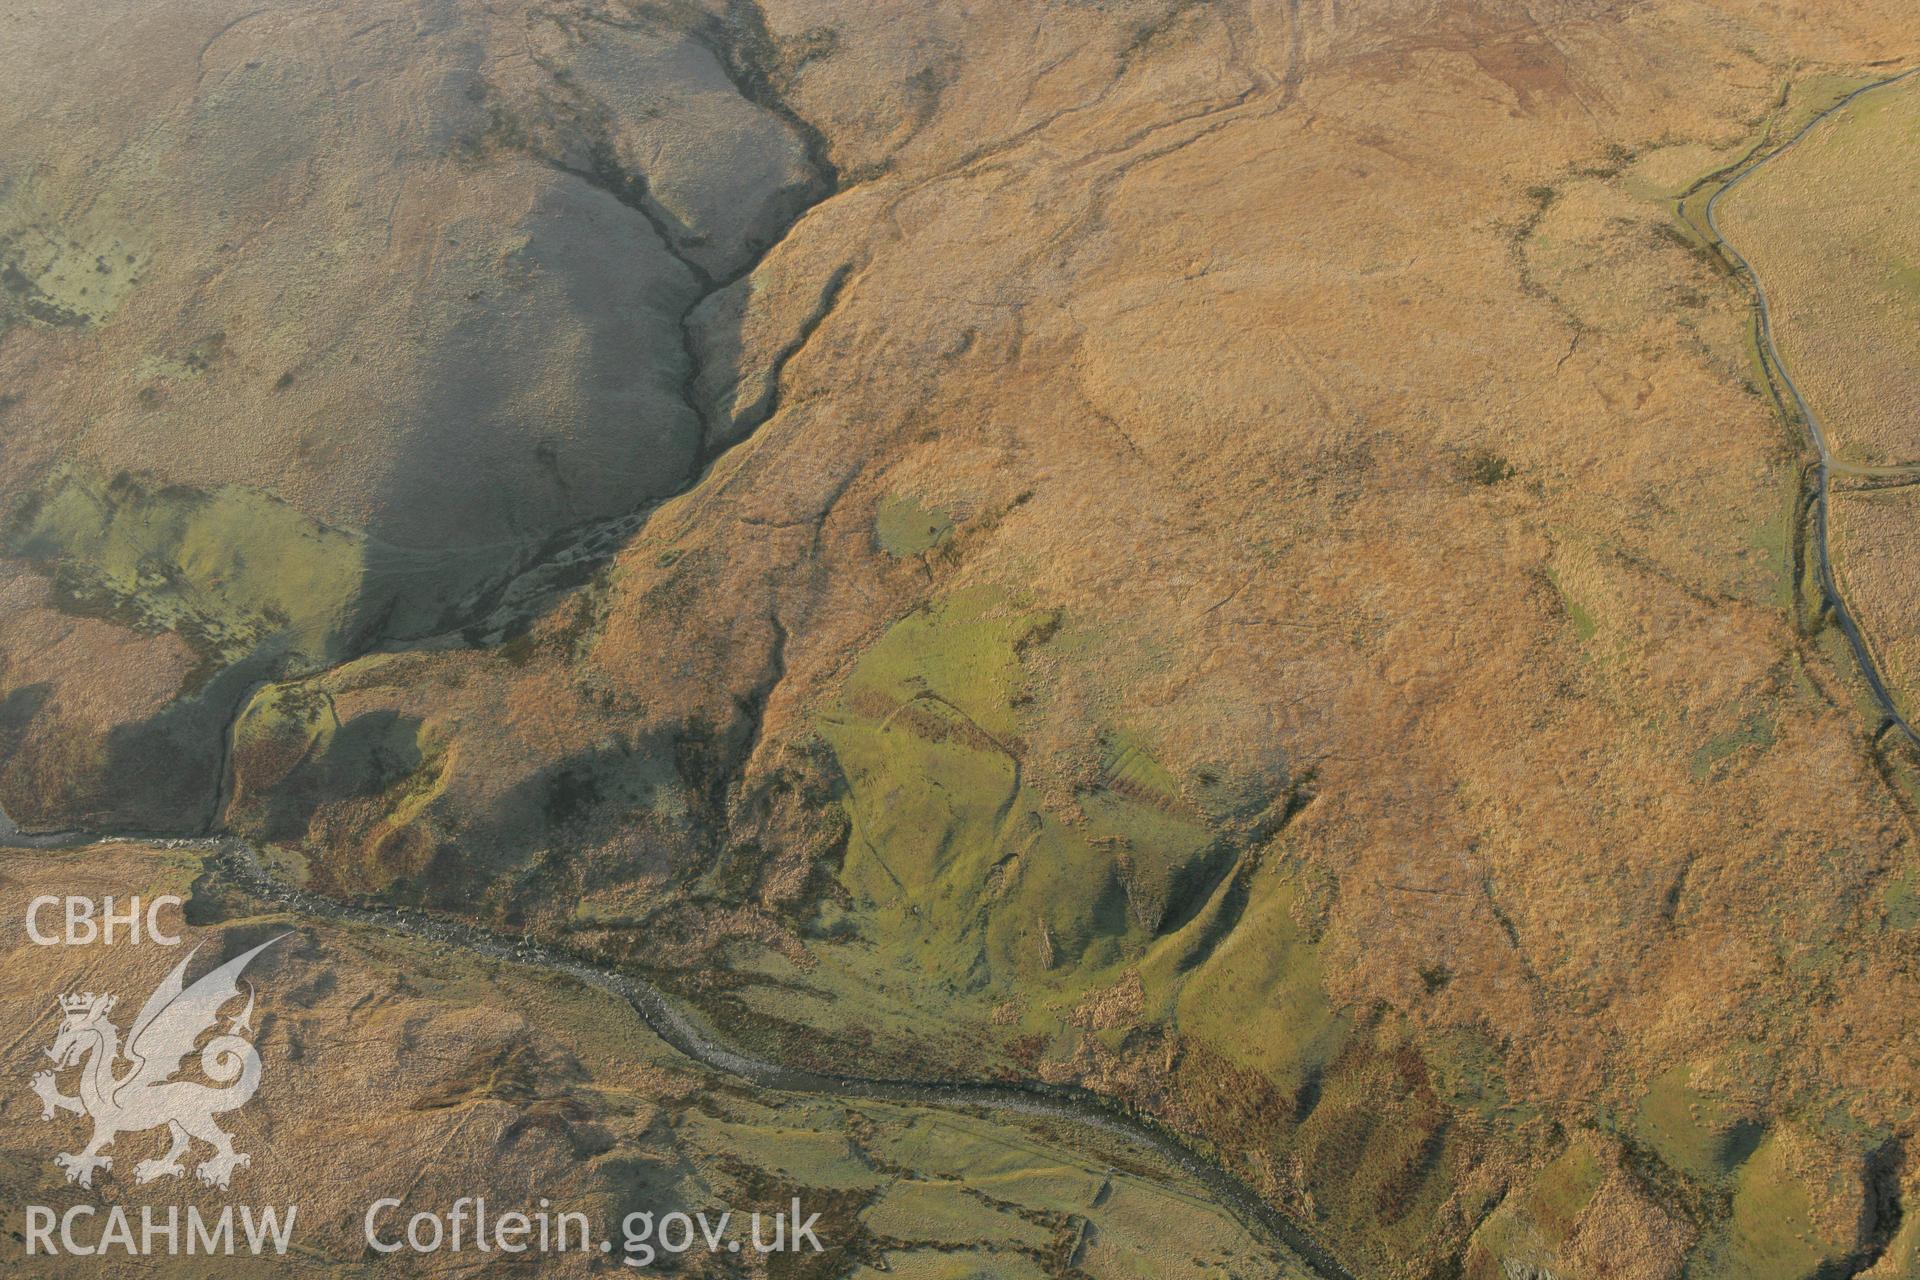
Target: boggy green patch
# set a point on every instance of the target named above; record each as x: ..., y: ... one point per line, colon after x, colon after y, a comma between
x: 237, y: 573
x: 909, y: 1192
x: 1902, y: 903
x: 1584, y: 625
x: 1695, y: 1131
x: 66, y: 277
x: 1756, y: 732
x: 906, y: 528
x: 1773, y: 1232
x: 232, y: 571
x: 956, y: 868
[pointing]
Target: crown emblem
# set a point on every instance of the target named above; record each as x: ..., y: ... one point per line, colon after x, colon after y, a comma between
x: 86, y: 1001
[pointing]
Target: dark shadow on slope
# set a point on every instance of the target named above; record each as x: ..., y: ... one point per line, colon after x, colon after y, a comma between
x: 532, y: 514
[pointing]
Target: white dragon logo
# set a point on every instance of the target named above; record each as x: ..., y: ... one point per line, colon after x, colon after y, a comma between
x: 144, y: 1097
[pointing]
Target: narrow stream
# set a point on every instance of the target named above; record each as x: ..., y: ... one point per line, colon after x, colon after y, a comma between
x: 1763, y: 313
x: 235, y: 863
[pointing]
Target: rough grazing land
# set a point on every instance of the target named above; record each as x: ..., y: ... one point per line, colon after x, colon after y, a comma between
x: 1233, y: 554
x: 517, y: 1085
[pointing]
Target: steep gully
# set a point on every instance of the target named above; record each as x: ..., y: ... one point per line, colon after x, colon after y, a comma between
x: 741, y: 46
x: 558, y: 563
